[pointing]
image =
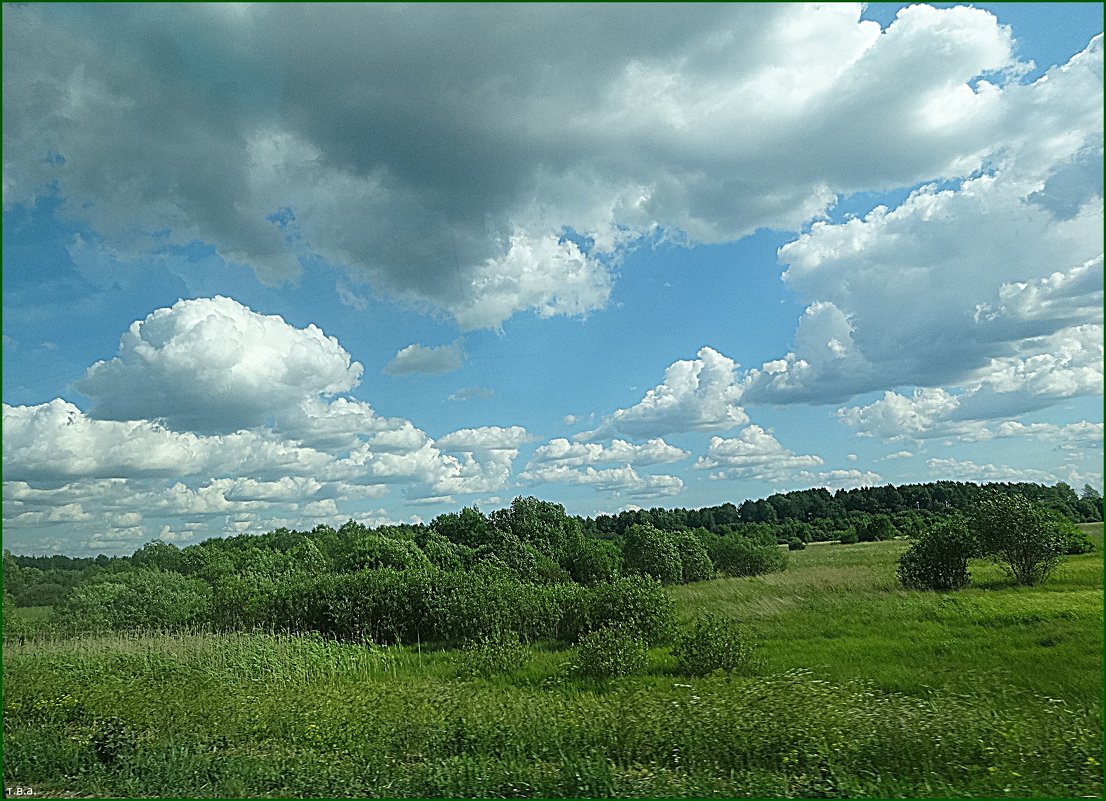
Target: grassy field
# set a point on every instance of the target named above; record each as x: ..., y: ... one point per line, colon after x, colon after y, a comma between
x: 859, y: 688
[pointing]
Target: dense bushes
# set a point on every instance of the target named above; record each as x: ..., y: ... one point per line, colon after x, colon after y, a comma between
x: 144, y: 598
x: 737, y: 556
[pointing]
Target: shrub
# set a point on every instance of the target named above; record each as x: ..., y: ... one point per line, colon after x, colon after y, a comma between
x: 737, y: 556
x: 876, y: 529
x: 651, y: 552
x: 590, y: 561
x: 938, y: 560
x: 499, y: 652
x: 695, y: 562
x: 635, y: 603
x: 1075, y: 539
x: 609, y: 652
x: 713, y: 643
x: 143, y: 598
x: 796, y: 544
x: 1027, y: 539
x: 849, y: 537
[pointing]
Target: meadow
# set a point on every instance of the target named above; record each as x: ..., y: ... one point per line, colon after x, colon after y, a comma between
x: 857, y: 688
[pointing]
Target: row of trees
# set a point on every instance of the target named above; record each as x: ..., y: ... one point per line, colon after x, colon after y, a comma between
x: 530, y: 569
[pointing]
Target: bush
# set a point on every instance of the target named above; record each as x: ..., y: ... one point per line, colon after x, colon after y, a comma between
x: 499, y: 652
x: 1075, y: 539
x: 713, y: 643
x: 737, y: 556
x: 143, y: 598
x: 695, y: 562
x: 938, y: 560
x: 849, y: 537
x: 796, y: 544
x: 1027, y: 539
x: 651, y: 552
x: 610, y: 652
x: 635, y: 603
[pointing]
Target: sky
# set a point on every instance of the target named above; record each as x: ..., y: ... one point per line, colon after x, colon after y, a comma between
x: 279, y: 265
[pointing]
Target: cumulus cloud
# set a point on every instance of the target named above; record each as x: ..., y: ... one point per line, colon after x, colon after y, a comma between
x: 1044, y: 370
x: 212, y: 365
x: 965, y: 470
x: 618, y: 481
x: 700, y: 394
x: 965, y: 275
x: 753, y: 454
x: 560, y: 451
x: 440, y: 155
x: 416, y: 359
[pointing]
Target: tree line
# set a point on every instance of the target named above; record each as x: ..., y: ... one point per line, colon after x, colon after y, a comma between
x: 530, y: 568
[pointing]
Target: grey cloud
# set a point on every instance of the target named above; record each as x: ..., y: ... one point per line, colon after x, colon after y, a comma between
x: 417, y: 359
x: 439, y: 153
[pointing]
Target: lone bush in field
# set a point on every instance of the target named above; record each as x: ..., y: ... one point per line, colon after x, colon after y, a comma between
x: 1027, y: 539
x: 796, y: 544
x: 849, y: 537
x: 610, y: 652
x: 938, y: 560
x: 714, y: 643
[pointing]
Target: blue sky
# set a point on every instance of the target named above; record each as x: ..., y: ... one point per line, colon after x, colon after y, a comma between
x: 288, y: 265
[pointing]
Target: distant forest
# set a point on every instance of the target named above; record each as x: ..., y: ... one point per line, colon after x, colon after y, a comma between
x: 530, y: 543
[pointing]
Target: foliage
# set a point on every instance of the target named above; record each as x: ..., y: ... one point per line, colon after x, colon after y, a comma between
x: 648, y: 551
x: 590, y: 560
x: 849, y: 536
x: 876, y: 529
x: 610, y: 652
x: 1075, y: 540
x: 795, y: 544
x: 713, y: 643
x: 695, y: 562
x: 736, y: 556
x: 635, y: 603
x: 938, y: 560
x: 492, y: 654
x: 1026, y: 538
x: 143, y: 598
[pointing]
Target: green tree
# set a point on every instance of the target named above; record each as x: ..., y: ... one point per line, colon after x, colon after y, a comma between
x: 1024, y: 537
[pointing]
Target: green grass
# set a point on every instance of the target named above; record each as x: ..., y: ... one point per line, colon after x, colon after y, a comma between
x: 859, y: 688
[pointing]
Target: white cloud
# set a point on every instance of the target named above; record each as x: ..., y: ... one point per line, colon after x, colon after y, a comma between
x: 898, y: 455
x: 967, y: 277
x: 427, y: 360
x: 699, y: 394
x: 560, y: 451
x: 702, y: 123
x: 753, y: 454
x: 1046, y: 369
x: 471, y: 393
x: 965, y: 470
x: 212, y: 365
x: 618, y: 481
